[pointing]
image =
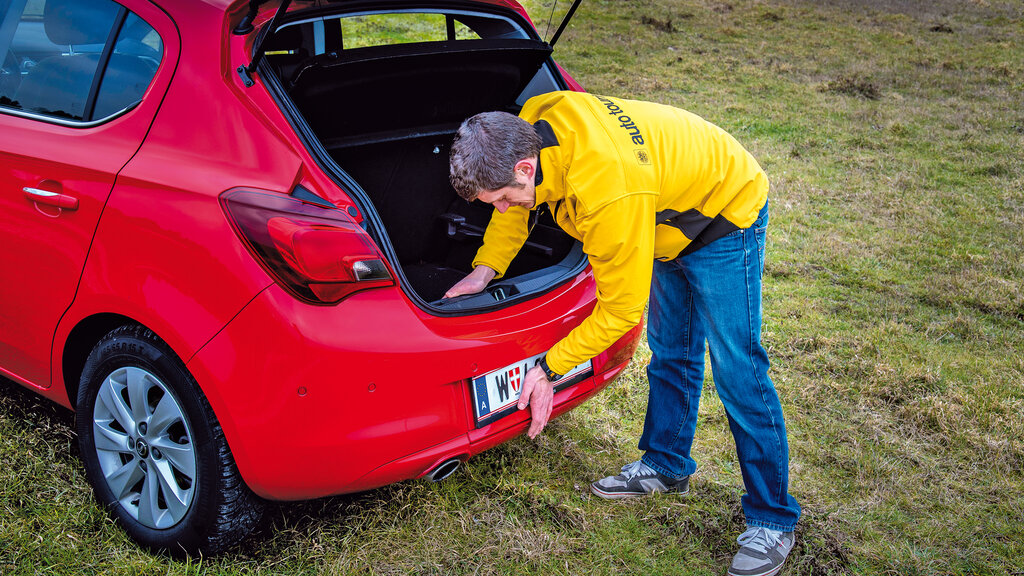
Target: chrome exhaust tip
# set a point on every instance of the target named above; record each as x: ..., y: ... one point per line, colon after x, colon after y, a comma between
x: 443, y: 470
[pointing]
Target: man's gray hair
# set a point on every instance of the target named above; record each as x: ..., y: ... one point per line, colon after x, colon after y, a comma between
x: 486, y: 150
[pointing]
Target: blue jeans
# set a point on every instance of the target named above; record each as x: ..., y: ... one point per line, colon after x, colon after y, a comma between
x: 713, y: 295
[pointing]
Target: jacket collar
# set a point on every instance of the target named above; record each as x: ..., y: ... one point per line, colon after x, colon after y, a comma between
x: 547, y: 140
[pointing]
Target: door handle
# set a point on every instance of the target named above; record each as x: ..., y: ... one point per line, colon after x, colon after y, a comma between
x: 54, y: 199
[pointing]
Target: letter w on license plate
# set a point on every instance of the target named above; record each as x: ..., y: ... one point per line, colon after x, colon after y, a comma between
x: 495, y: 394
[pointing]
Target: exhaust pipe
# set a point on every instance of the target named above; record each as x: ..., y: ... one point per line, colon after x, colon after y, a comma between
x: 443, y: 470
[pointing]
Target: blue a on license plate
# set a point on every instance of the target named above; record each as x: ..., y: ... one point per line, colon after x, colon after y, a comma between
x: 495, y: 393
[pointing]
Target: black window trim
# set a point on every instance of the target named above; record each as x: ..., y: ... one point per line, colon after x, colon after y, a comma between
x: 64, y: 121
x: 101, y: 64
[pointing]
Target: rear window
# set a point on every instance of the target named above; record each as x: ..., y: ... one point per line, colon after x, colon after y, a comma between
x: 400, y: 28
x: 306, y: 38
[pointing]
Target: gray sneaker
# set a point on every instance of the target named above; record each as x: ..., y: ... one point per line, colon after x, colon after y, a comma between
x: 638, y: 479
x: 762, y: 552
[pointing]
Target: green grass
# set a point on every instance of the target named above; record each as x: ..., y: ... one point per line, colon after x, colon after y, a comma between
x: 893, y: 134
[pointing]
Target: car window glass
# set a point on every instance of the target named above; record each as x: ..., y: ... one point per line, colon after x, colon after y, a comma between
x: 399, y: 28
x: 295, y: 42
x: 34, y: 8
x: 132, y: 65
x: 52, y: 51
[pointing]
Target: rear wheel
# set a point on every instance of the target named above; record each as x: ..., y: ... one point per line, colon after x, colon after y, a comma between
x: 153, y: 450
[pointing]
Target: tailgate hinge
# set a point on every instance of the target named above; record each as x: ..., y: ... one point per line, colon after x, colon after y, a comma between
x: 246, y: 26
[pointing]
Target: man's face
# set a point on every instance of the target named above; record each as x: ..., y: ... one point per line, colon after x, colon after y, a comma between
x: 511, y: 195
x: 520, y: 193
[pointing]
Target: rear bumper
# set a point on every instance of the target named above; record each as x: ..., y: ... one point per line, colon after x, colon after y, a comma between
x: 476, y: 441
x: 316, y: 401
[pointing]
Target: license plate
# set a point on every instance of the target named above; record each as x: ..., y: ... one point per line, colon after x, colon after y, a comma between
x: 495, y: 394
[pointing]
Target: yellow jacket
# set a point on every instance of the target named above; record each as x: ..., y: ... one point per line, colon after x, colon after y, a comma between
x: 633, y: 181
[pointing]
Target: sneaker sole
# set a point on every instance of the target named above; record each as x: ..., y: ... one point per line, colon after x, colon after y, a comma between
x: 771, y: 572
x: 620, y: 495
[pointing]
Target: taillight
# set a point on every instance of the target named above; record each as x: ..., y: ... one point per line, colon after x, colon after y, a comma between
x: 319, y: 254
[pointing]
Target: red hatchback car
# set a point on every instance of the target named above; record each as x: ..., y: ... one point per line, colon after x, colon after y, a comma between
x: 226, y: 229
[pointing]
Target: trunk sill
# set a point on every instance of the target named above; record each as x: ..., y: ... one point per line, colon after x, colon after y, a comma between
x: 509, y: 291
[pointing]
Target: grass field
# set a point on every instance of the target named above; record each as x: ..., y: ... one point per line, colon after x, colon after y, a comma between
x: 893, y: 134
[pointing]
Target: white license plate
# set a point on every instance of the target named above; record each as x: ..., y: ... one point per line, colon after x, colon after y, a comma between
x: 495, y: 393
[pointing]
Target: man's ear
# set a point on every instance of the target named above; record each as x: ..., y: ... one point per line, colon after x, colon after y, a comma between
x: 526, y: 167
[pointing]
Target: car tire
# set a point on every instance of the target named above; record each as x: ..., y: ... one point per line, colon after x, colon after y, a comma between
x: 154, y: 452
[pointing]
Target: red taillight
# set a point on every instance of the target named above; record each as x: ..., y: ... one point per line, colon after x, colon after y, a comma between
x: 319, y: 254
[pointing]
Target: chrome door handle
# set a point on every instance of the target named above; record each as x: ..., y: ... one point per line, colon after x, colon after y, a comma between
x: 54, y: 199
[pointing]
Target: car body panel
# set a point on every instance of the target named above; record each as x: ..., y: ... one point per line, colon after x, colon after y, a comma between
x: 339, y: 415
x: 200, y: 280
x: 313, y: 400
x: 49, y: 244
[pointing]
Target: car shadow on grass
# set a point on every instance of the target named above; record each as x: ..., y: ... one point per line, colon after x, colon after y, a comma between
x: 543, y: 482
x: 34, y: 414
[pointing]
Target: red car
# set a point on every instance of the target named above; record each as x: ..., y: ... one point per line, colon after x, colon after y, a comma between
x: 226, y: 229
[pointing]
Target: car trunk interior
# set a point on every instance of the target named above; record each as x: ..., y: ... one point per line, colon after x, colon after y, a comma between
x: 387, y: 116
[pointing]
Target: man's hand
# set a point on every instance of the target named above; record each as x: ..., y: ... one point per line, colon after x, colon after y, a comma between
x: 538, y: 392
x: 473, y: 283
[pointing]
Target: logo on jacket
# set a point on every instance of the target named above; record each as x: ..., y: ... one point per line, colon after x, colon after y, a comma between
x: 642, y: 156
x: 624, y: 120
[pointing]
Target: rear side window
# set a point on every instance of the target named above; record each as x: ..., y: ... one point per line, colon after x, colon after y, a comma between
x: 74, y: 60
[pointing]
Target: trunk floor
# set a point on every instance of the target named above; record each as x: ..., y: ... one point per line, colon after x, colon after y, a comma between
x: 431, y: 281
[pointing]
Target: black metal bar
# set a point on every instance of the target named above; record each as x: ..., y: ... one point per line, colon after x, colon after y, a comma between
x: 258, y: 52
x: 565, y: 22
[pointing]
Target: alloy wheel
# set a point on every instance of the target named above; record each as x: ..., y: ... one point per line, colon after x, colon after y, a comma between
x: 144, y: 447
